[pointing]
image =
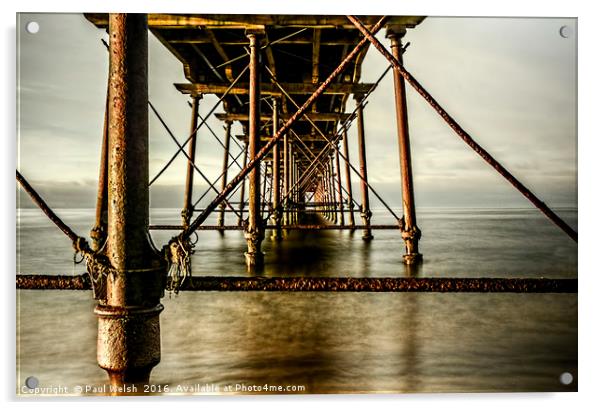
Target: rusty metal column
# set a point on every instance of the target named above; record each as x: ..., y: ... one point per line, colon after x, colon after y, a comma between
x: 333, y: 196
x: 293, y: 181
x: 128, y: 315
x: 298, y: 196
x: 300, y: 193
x: 361, y: 141
x: 318, y: 195
x: 325, y: 183
x: 334, y: 189
x: 220, y: 215
x: 410, y: 233
x: 241, y: 205
x: 287, y: 178
x: 297, y: 191
x: 340, y: 190
x: 254, y: 233
x: 188, y: 210
x: 277, y: 215
x: 326, y: 178
x: 348, y: 177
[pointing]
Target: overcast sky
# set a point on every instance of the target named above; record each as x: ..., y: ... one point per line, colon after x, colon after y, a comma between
x: 511, y: 83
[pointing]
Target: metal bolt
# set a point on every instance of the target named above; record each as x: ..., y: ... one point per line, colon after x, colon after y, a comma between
x: 32, y: 382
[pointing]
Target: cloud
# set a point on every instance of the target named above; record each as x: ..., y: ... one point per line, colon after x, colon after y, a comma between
x: 511, y: 83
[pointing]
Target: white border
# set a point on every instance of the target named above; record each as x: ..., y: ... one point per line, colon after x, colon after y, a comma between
x: 589, y: 193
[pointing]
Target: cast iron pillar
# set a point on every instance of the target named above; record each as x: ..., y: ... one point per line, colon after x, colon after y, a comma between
x: 129, y: 343
x: 340, y: 190
x: 241, y: 204
x: 361, y: 142
x: 328, y: 191
x: 291, y: 166
x: 331, y: 190
x: 188, y: 210
x: 220, y: 215
x: 287, y: 179
x: 335, y: 215
x: 254, y: 233
x: 348, y: 178
x: 294, y: 183
x: 277, y: 208
x: 410, y: 232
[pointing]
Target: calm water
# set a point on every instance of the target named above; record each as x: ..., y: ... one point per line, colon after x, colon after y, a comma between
x: 330, y: 342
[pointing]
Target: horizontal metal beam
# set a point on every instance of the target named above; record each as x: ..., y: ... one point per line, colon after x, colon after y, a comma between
x: 271, y: 89
x: 299, y: 39
x: 253, y: 21
x: 318, y: 284
x: 289, y: 227
x: 305, y: 138
x: 313, y: 116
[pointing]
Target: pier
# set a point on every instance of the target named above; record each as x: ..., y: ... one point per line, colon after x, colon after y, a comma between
x: 287, y: 81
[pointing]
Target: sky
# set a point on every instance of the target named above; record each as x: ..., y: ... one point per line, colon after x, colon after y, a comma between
x: 510, y: 82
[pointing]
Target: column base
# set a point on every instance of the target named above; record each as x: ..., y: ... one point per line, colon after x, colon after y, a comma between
x: 254, y: 259
x: 129, y: 342
x: 277, y: 231
x: 254, y: 256
x: 220, y: 223
x: 412, y: 258
x: 367, y: 236
x: 129, y: 383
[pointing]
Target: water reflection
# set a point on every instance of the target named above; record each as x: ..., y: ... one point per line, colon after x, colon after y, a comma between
x: 331, y: 342
x: 409, y: 354
x: 467, y: 243
x: 412, y: 271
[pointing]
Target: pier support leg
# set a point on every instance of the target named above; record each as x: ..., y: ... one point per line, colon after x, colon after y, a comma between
x: 220, y: 215
x: 300, y: 195
x: 339, y: 190
x: 335, y: 215
x: 287, y: 178
x: 128, y: 314
x: 254, y: 233
x: 294, y: 175
x: 277, y: 214
x: 329, y: 189
x: 325, y: 179
x: 188, y: 210
x: 361, y: 141
x: 348, y: 178
x: 241, y: 205
x: 410, y: 233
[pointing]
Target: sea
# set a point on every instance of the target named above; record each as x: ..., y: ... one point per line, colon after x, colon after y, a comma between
x: 304, y: 342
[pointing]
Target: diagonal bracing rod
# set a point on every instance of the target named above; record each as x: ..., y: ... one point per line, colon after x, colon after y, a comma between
x: 37, y: 199
x: 331, y: 143
x: 183, y: 151
x: 463, y: 134
x: 236, y: 80
x: 219, y: 177
x: 270, y: 144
